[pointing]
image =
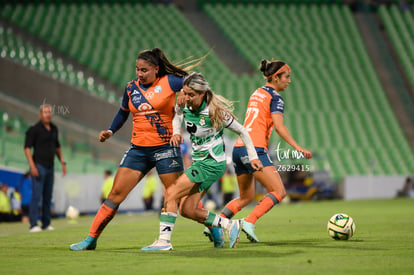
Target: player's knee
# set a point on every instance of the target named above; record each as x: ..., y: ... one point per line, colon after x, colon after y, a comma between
x: 116, y: 196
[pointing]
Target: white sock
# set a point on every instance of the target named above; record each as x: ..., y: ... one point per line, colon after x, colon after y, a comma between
x: 167, y: 222
x: 221, y: 222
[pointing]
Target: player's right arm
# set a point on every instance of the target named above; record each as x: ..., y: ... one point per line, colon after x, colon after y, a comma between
x: 118, y: 120
x: 176, y: 138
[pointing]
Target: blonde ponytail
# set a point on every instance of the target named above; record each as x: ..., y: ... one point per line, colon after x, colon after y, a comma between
x: 220, y: 109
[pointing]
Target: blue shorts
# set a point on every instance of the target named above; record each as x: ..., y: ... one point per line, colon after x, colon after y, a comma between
x: 241, y: 160
x: 166, y: 158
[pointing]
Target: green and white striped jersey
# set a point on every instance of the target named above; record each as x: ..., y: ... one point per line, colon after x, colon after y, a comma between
x: 206, y: 140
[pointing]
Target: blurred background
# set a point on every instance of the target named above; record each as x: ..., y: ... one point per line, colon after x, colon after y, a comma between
x: 350, y: 101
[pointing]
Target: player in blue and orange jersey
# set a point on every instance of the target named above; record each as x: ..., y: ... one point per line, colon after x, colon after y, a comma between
x: 150, y: 98
x: 264, y: 111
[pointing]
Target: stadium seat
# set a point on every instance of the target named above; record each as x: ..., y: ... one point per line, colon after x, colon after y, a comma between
x: 334, y: 85
x: 15, y: 47
x: 335, y: 104
x: 399, y: 26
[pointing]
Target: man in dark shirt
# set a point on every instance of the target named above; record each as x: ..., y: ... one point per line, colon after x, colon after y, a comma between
x: 43, y: 137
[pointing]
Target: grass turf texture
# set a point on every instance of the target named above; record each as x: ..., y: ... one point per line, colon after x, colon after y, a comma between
x: 294, y: 240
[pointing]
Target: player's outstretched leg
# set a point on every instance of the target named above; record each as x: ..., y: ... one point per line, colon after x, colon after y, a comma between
x: 102, y: 218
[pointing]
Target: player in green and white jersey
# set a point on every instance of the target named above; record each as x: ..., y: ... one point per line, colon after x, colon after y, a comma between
x: 206, y: 115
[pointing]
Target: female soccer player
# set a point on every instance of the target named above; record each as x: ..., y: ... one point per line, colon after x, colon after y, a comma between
x: 206, y: 115
x: 264, y: 111
x: 150, y: 98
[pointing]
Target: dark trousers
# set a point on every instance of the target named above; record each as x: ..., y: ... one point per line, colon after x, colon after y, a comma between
x: 42, y: 188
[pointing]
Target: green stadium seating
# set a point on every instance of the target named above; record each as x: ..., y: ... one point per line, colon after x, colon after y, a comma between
x: 107, y: 39
x: 400, y: 28
x: 335, y: 104
x: 15, y: 47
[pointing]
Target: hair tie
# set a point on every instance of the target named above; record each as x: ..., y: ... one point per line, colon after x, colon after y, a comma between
x: 282, y: 69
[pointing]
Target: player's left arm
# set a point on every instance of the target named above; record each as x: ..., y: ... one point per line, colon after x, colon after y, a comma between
x: 283, y: 132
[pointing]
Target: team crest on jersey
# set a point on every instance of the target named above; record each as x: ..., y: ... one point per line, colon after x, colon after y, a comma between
x: 158, y: 89
x: 202, y: 121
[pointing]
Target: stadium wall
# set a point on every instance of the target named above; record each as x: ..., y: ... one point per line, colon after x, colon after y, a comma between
x: 84, y: 191
x: 371, y: 187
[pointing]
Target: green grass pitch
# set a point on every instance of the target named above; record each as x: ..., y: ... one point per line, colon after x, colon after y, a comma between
x: 294, y: 240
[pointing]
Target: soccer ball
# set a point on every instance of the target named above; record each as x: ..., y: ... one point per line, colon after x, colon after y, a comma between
x: 210, y: 205
x: 341, y: 227
x: 72, y: 213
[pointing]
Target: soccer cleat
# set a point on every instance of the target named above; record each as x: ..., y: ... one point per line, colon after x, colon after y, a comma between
x: 217, y: 236
x: 234, y: 232
x: 248, y: 228
x: 88, y: 244
x: 49, y: 228
x: 35, y: 229
x: 207, y: 233
x: 158, y: 245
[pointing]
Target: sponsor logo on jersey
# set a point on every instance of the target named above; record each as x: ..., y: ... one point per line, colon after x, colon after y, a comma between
x: 135, y: 92
x: 136, y: 100
x: 144, y: 107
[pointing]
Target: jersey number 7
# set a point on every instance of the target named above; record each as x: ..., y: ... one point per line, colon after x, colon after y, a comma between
x: 251, y: 115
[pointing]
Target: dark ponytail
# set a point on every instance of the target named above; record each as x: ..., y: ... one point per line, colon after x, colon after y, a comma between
x: 157, y: 58
x: 268, y: 68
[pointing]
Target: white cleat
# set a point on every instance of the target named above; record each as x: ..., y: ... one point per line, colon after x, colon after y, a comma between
x: 35, y: 229
x: 158, y: 245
